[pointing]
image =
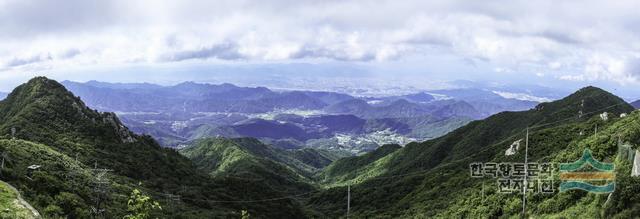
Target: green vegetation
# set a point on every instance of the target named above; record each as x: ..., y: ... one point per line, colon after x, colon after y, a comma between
x: 11, y: 206
x: 431, y: 179
x: 426, y: 128
x: 56, y: 131
x: 141, y: 206
x: 317, y: 158
x: 250, y: 160
x: 47, y: 188
x: 230, y: 156
x: 245, y: 214
x: 59, y: 143
x: 353, y: 169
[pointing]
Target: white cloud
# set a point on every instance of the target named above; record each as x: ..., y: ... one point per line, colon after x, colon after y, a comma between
x: 592, y: 40
x: 554, y: 65
x: 522, y: 96
x: 622, y: 69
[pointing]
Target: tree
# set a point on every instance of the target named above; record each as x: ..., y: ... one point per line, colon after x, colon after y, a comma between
x: 245, y: 214
x: 140, y: 206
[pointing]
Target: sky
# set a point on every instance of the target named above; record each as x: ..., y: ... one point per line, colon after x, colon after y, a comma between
x: 563, y: 44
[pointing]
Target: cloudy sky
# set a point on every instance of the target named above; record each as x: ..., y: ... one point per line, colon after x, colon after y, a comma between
x: 556, y: 43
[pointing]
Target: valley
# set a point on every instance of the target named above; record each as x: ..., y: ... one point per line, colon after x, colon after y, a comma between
x: 180, y: 114
x: 63, y: 156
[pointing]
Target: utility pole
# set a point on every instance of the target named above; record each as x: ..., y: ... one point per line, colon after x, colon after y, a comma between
x: 348, y: 199
x: 482, y: 192
x: 101, y: 185
x: 524, y: 188
x: 4, y: 154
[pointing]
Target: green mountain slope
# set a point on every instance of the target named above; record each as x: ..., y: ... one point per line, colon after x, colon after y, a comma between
x: 317, y: 158
x: 12, y: 205
x: 253, y: 163
x: 350, y: 168
x: 427, y: 178
x: 53, y: 126
x: 250, y: 159
x: 573, y: 204
x: 220, y: 155
x: 235, y: 157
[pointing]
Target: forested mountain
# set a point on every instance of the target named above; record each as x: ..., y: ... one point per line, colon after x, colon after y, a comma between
x: 64, y: 143
x: 432, y: 178
x: 219, y: 156
x: 55, y: 148
x: 349, y: 168
x: 251, y: 160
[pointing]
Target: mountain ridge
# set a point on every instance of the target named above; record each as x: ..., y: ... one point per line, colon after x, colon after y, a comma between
x: 417, y: 172
x: 485, y: 101
x: 52, y: 125
x: 635, y: 104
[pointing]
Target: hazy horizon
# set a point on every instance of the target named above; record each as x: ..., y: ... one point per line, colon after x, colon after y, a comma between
x: 563, y: 46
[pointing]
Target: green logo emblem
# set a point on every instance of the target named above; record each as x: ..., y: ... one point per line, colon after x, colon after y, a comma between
x: 598, y: 178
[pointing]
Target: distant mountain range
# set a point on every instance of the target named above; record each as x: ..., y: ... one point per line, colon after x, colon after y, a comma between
x: 402, y: 108
x: 487, y: 102
x: 178, y: 114
x: 189, y: 97
x: 636, y: 104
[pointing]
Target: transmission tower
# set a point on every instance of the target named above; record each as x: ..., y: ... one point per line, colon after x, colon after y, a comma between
x: 100, y: 190
x: 171, y: 199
